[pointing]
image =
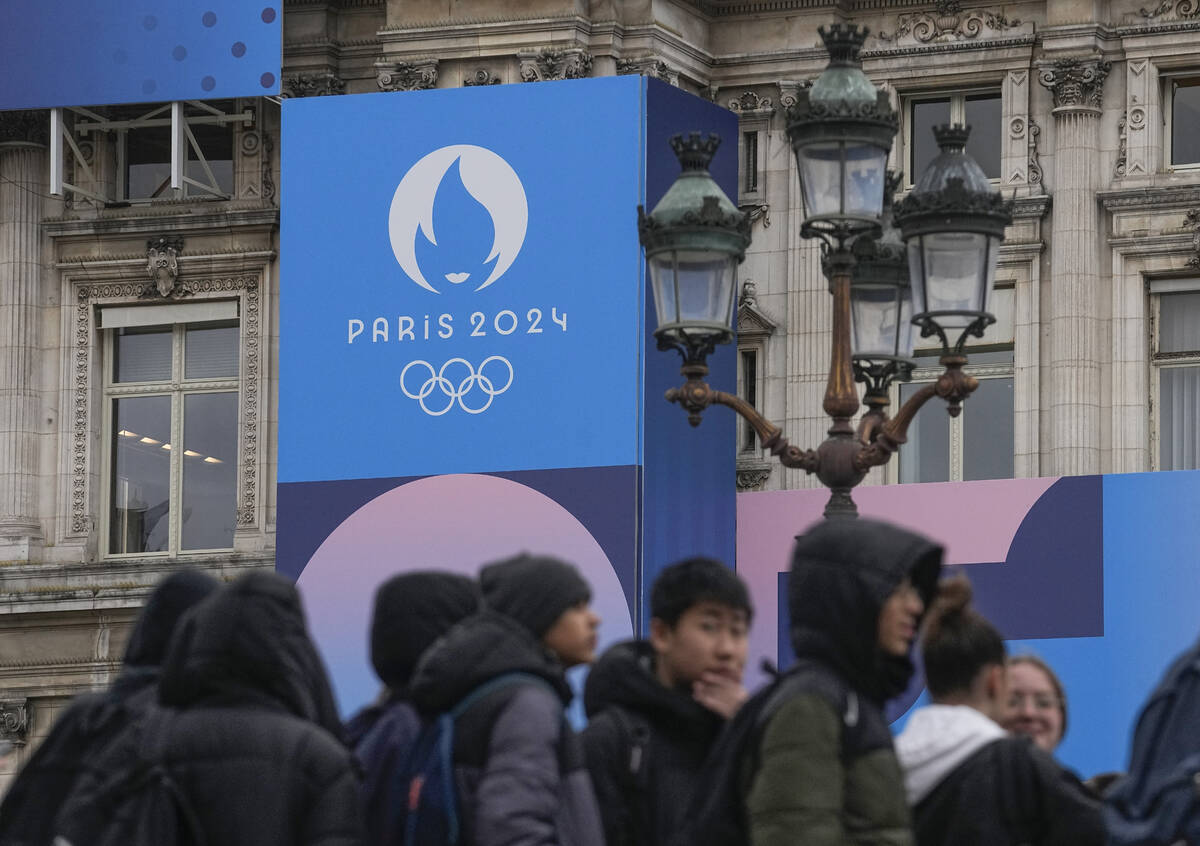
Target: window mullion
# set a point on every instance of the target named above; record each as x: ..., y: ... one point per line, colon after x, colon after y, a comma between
x: 176, y: 524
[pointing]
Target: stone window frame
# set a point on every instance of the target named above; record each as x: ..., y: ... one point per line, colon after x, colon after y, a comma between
x: 1152, y: 55
x: 1156, y: 288
x: 1167, y: 117
x: 958, y: 95
x: 85, y: 387
x: 754, y: 330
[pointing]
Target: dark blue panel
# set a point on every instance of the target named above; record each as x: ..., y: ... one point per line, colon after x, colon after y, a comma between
x: 93, y: 52
x: 689, y: 483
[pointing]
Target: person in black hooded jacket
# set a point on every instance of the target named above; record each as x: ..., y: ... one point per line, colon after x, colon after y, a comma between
x: 655, y: 706
x: 519, y: 767
x: 412, y: 611
x: 93, y: 720
x: 967, y: 779
x: 823, y: 771
x: 250, y: 733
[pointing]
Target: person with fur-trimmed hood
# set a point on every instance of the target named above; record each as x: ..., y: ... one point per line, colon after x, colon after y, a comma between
x: 518, y: 764
x: 823, y: 771
x: 967, y: 779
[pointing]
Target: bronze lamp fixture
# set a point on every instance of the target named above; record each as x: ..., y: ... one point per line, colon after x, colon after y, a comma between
x: 928, y: 263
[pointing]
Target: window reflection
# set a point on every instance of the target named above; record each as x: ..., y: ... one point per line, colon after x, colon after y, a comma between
x: 209, y: 470
x: 141, y: 477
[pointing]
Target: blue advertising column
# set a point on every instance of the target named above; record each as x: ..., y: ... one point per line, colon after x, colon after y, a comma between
x: 467, y: 362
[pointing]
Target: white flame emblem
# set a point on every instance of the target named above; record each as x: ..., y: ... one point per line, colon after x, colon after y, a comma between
x: 488, y: 178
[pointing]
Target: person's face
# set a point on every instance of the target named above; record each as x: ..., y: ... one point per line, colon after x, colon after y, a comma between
x: 898, y: 619
x: 708, y: 638
x: 1033, y: 706
x: 573, y: 636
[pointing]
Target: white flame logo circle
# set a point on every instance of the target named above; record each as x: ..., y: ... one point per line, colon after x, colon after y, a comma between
x: 488, y: 178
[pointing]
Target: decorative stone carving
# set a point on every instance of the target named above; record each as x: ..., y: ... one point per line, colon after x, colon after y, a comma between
x: 710, y: 93
x: 948, y: 22
x: 251, y: 325
x: 758, y: 211
x: 162, y: 263
x: 1076, y: 82
x: 753, y: 324
x: 1192, y: 222
x: 789, y: 91
x: 550, y: 63
x: 649, y: 66
x: 1172, y: 10
x: 312, y: 85
x: 752, y: 477
x: 1035, y: 164
x: 482, y: 77
x: 751, y: 102
x: 268, y: 180
x: 25, y: 127
x: 1123, y: 146
x: 14, y: 721
x: 406, y: 76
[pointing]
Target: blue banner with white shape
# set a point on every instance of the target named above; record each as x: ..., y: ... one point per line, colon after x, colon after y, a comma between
x: 462, y: 286
x: 94, y: 52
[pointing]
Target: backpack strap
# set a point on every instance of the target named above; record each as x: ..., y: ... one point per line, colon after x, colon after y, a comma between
x: 499, y: 682
x: 635, y: 737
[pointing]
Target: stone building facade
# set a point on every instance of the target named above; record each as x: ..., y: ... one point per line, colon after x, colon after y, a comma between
x: 1086, y: 113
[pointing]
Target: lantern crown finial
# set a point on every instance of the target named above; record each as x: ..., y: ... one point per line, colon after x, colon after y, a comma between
x: 952, y: 138
x: 843, y: 42
x: 696, y: 150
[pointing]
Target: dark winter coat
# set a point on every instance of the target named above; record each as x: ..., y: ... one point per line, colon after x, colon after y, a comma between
x: 808, y: 785
x: 93, y: 720
x: 969, y: 782
x: 251, y: 723
x: 644, y: 744
x: 521, y: 777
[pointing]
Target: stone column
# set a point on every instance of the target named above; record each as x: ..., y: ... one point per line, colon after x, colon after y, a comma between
x: 23, y: 162
x: 1075, y: 325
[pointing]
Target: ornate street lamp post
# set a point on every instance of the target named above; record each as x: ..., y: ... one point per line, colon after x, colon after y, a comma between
x: 944, y: 236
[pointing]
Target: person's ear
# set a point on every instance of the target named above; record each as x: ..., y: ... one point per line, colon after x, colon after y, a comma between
x: 660, y: 634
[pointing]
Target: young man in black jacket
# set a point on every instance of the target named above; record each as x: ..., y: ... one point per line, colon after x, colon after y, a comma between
x: 656, y: 706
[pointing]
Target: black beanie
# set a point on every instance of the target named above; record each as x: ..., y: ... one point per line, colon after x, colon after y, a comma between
x: 171, y: 598
x: 412, y: 611
x: 534, y: 590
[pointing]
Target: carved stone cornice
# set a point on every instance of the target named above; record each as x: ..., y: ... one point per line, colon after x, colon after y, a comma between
x: 1076, y: 83
x: 406, y: 76
x: 1172, y: 10
x: 1031, y: 208
x: 648, y: 66
x: 14, y: 721
x: 1137, y: 199
x: 948, y: 22
x: 751, y: 104
x: 312, y: 85
x: 482, y: 77
x: 550, y: 63
x: 25, y: 127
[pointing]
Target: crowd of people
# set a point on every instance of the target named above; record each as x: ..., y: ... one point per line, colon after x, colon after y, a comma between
x: 222, y: 729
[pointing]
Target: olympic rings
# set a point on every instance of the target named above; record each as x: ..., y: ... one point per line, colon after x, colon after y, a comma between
x: 437, y: 380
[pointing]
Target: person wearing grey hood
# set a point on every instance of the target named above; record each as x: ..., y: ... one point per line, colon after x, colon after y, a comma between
x: 94, y: 719
x: 967, y: 780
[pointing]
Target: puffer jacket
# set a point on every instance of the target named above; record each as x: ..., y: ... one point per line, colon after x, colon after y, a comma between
x: 825, y: 772
x: 519, y: 766
x: 645, y: 745
x: 93, y: 720
x: 250, y: 733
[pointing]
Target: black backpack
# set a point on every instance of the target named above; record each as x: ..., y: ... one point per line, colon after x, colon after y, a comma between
x: 716, y: 814
x: 1158, y: 802
x: 143, y: 805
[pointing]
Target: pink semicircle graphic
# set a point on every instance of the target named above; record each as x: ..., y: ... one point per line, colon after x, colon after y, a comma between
x: 456, y: 523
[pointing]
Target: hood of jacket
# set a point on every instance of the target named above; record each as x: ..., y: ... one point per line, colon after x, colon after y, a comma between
x: 167, y: 604
x: 937, y: 739
x: 248, y: 644
x: 842, y: 572
x: 475, y: 651
x: 625, y: 676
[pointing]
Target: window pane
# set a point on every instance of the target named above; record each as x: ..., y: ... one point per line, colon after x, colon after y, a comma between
x: 139, y: 520
x: 926, y: 455
x: 1179, y: 329
x: 142, y: 354
x: 1185, y: 122
x: 1179, y: 398
x: 147, y: 161
x: 926, y: 114
x: 750, y: 160
x: 983, y: 116
x: 988, y: 431
x: 211, y: 351
x: 749, y: 393
x: 216, y: 142
x: 209, y: 470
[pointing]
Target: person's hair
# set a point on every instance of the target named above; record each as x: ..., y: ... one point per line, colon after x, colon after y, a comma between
x: 958, y: 641
x: 687, y: 583
x: 1034, y: 661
